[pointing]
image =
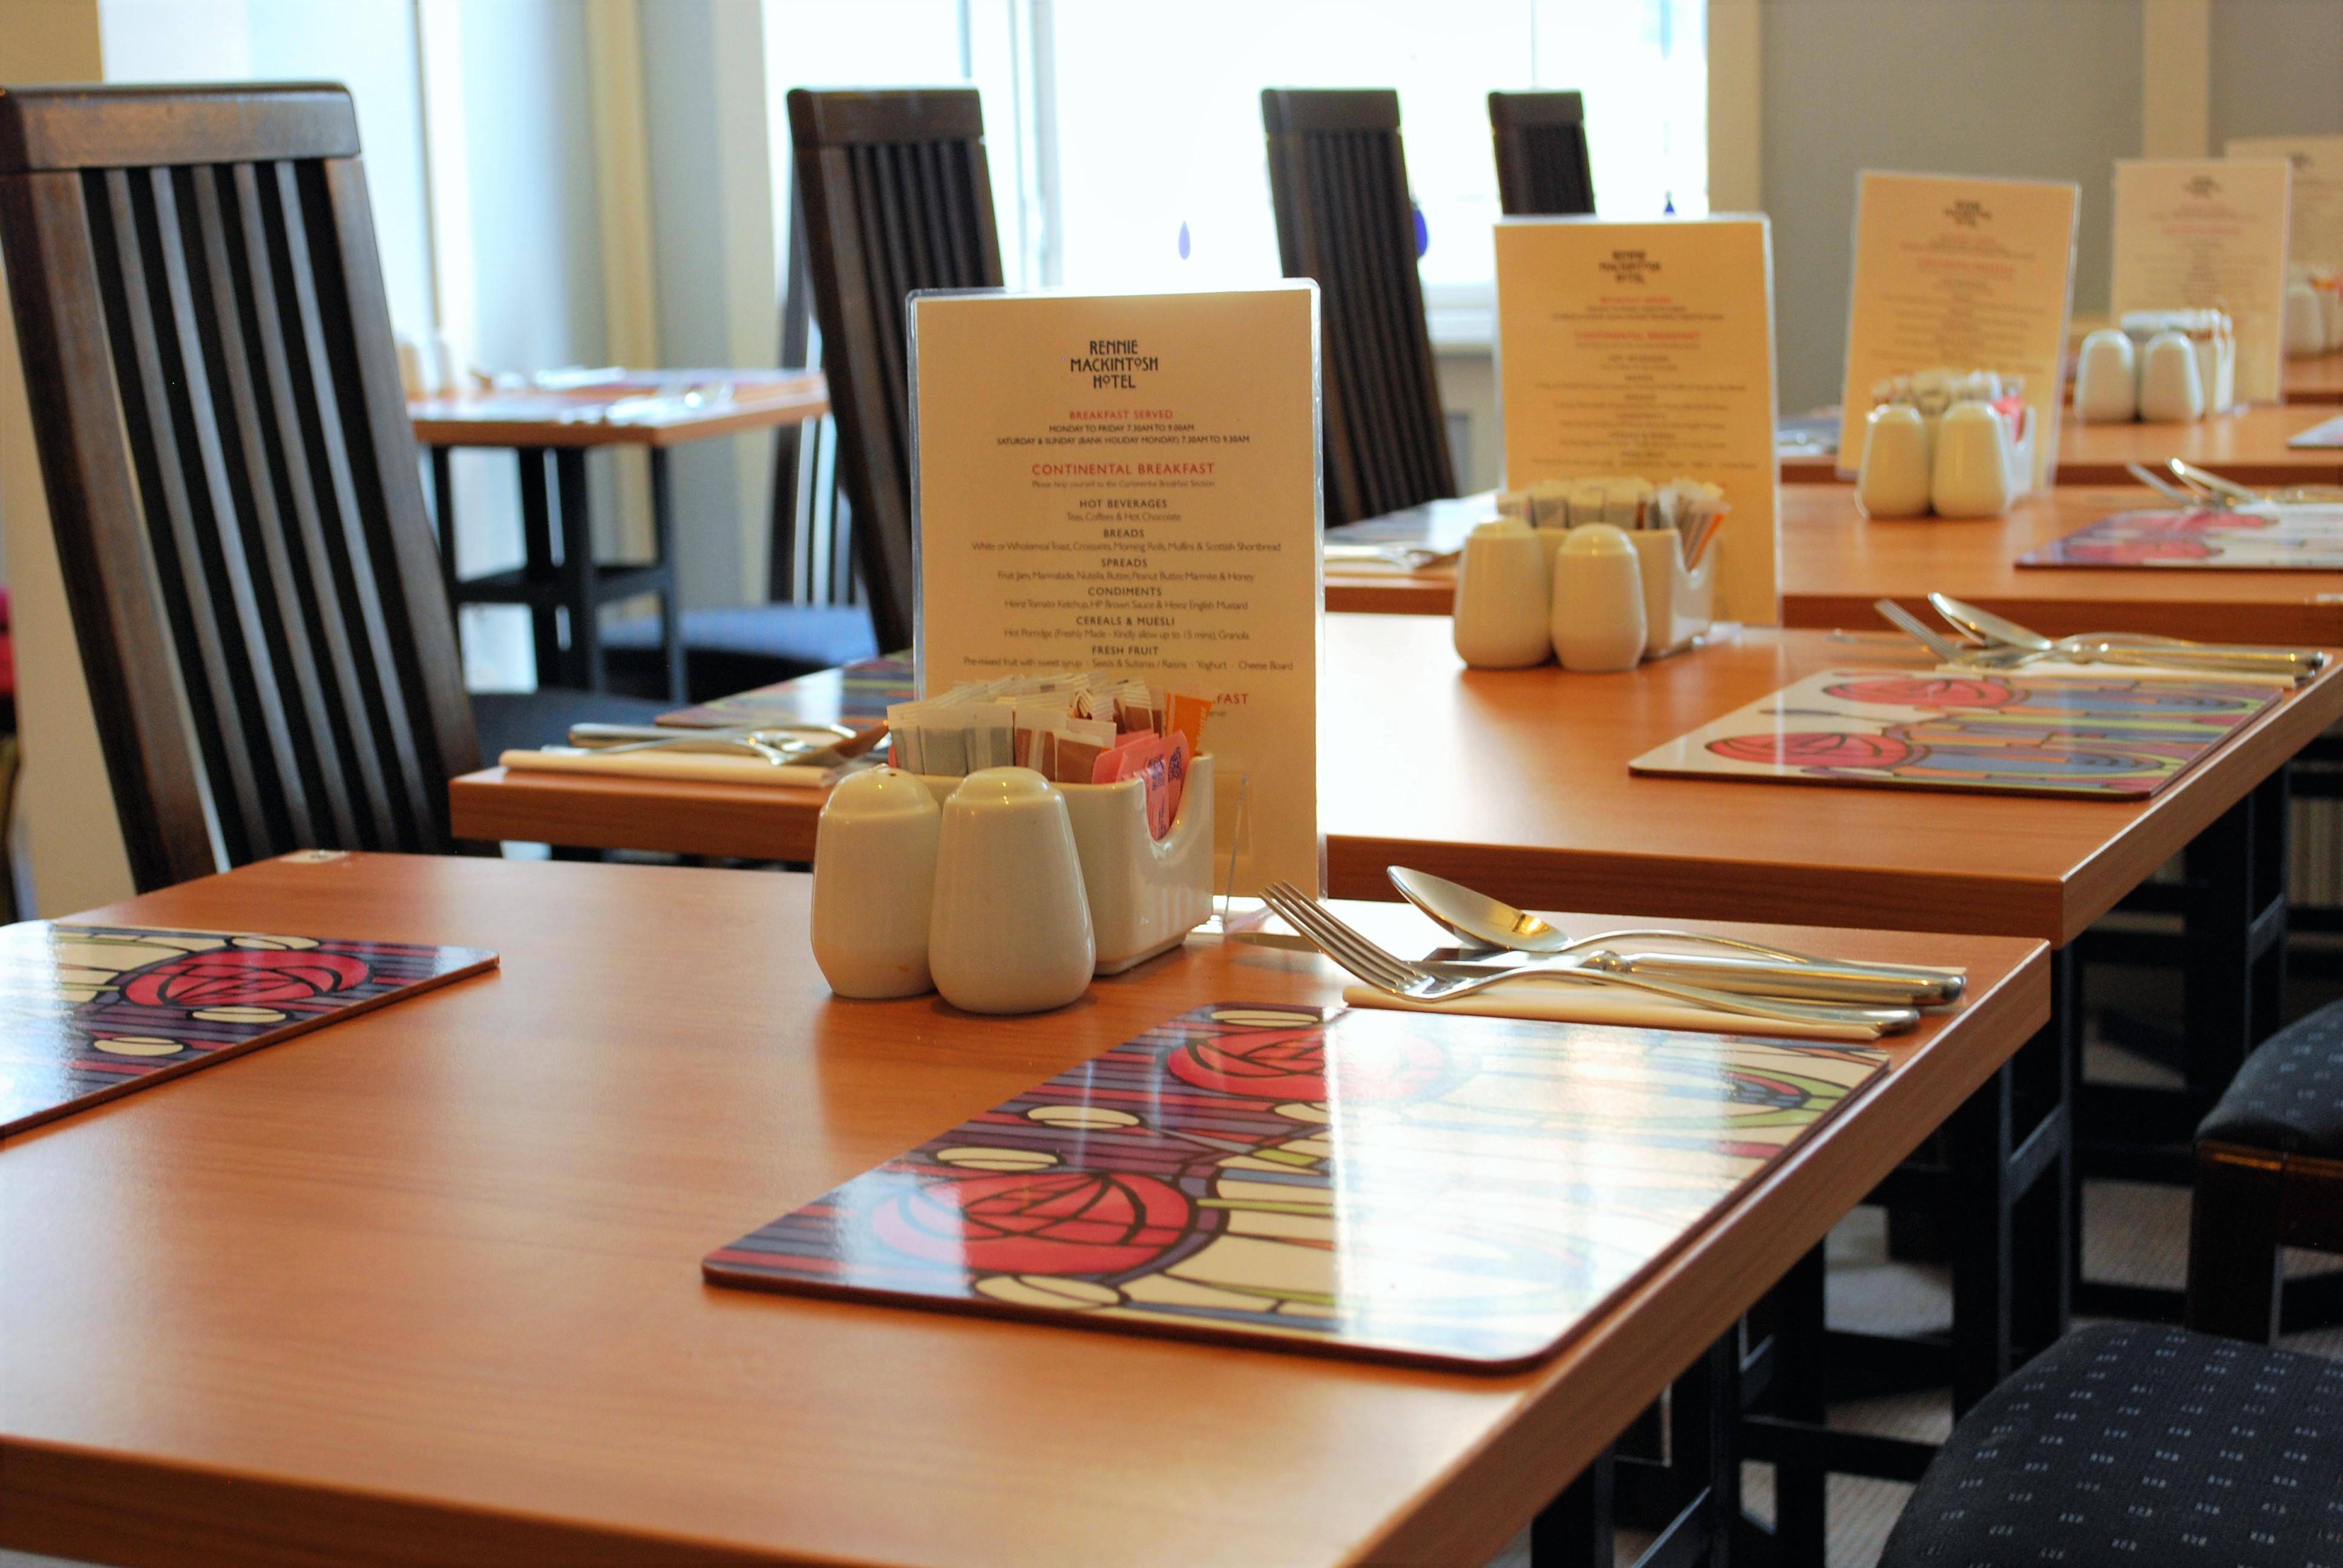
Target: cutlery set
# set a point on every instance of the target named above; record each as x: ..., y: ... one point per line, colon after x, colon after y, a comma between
x: 1995, y: 642
x: 2190, y: 486
x: 779, y: 745
x: 1848, y: 1000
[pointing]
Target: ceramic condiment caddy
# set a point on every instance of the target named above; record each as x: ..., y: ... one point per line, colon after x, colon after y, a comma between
x: 1957, y: 443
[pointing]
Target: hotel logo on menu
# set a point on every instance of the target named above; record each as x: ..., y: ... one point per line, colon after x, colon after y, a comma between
x: 1113, y: 362
x: 2203, y: 187
x: 1629, y: 266
x: 1968, y: 212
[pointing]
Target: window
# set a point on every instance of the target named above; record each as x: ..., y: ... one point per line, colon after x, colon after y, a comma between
x: 1126, y: 139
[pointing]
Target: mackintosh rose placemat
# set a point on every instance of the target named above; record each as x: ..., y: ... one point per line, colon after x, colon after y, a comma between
x: 90, y: 1012
x: 1459, y: 1192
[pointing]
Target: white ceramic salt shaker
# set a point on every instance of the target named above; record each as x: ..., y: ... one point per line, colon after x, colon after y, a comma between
x: 1012, y: 927
x: 1598, y: 601
x: 2171, y: 386
x: 1894, y: 480
x: 1501, y: 597
x: 874, y: 875
x: 2306, y: 321
x: 1970, y: 477
x: 2106, y: 379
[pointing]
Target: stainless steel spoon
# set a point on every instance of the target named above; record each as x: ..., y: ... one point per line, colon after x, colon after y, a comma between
x: 1490, y: 923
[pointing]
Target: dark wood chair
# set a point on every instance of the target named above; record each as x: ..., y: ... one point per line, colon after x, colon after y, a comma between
x: 1541, y: 166
x: 231, y: 477
x: 2269, y: 1176
x: 1338, y: 179
x: 896, y: 197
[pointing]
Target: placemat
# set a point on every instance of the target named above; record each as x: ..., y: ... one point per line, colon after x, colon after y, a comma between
x: 2112, y: 736
x: 91, y: 1013
x: 2328, y: 433
x: 2282, y: 538
x: 856, y: 694
x: 1461, y: 1191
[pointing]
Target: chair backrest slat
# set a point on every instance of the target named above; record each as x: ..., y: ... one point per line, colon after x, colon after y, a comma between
x: 896, y: 197
x: 232, y: 478
x: 1338, y: 181
x: 1541, y: 163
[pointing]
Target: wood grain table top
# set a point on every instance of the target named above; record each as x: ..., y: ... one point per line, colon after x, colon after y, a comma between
x: 638, y: 408
x: 424, y: 1287
x: 1835, y: 562
x: 1516, y: 782
x: 2249, y: 446
x: 2315, y: 379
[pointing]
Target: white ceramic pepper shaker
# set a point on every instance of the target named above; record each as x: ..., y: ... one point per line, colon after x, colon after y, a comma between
x: 1598, y: 601
x: 1500, y: 622
x: 874, y: 876
x: 1012, y: 927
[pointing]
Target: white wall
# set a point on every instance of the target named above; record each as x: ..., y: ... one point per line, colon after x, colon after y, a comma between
x: 715, y: 213
x: 2041, y: 89
x: 2277, y: 68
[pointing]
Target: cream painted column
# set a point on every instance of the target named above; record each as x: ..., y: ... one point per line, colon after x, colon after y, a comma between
x: 622, y: 189
x: 2176, y: 78
x: 1736, y: 120
x: 65, y: 803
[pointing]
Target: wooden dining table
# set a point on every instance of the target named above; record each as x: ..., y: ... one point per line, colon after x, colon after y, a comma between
x: 1516, y: 782
x: 2249, y: 445
x: 549, y: 425
x: 424, y: 1285
x: 1835, y: 562
x: 2313, y: 378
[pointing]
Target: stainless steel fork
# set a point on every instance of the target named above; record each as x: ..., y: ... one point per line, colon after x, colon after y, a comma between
x: 1387, y: 972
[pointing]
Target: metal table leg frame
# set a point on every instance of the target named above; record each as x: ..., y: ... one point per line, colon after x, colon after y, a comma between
x: 663, y: 552
x: 537, y: 542
x: 578, y: 599
x: 1576, y: 1529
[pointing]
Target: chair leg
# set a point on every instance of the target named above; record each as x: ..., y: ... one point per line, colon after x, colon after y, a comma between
x: 2235, y: 1265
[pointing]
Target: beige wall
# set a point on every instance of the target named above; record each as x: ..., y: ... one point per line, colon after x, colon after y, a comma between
x: 64, y: 807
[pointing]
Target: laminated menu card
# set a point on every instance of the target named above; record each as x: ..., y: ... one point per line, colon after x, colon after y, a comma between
x: 2119, y: 736
x: 2316, y: 225
x: 2196, y: 232
x: 2265, y: 538
x: 1647, y: 349
x: 1130, y: 482
x: 1463, y: 1192
x: 93, y: 1012
x: 1962, y: 273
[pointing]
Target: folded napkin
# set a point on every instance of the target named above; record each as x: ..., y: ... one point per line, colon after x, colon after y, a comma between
x: 698, y: 767
x: 1566, y: 1001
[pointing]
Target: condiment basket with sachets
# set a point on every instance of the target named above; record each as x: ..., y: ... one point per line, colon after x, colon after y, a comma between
x: 1118, y: 761
x: 1599, y: 573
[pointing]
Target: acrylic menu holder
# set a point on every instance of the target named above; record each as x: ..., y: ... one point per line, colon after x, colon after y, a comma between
x: 1040, y: 420
x: 1146, y: 894
x: 1461, y: 1193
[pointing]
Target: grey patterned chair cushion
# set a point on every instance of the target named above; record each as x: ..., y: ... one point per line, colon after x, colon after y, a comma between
x: 2128, y: 1446
x: 2288, y: 1097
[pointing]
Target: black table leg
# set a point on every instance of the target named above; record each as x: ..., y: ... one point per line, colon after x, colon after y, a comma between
x: 443, y: 509
x: 537, y: 572
x: 2232, y: 956
x: 663, y: 554
x: 1574, y: 1530
x: 578, y: 599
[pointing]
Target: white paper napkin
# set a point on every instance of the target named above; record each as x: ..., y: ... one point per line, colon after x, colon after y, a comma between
x: 697, y: 767
x: 1563, y: 1001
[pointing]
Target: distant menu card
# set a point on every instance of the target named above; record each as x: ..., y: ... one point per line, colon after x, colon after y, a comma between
x: 1130, y: 482
x: 2208, y: 231
x: 1973, y: 274
x: 2317, y: 220
x: 1648, y: 349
